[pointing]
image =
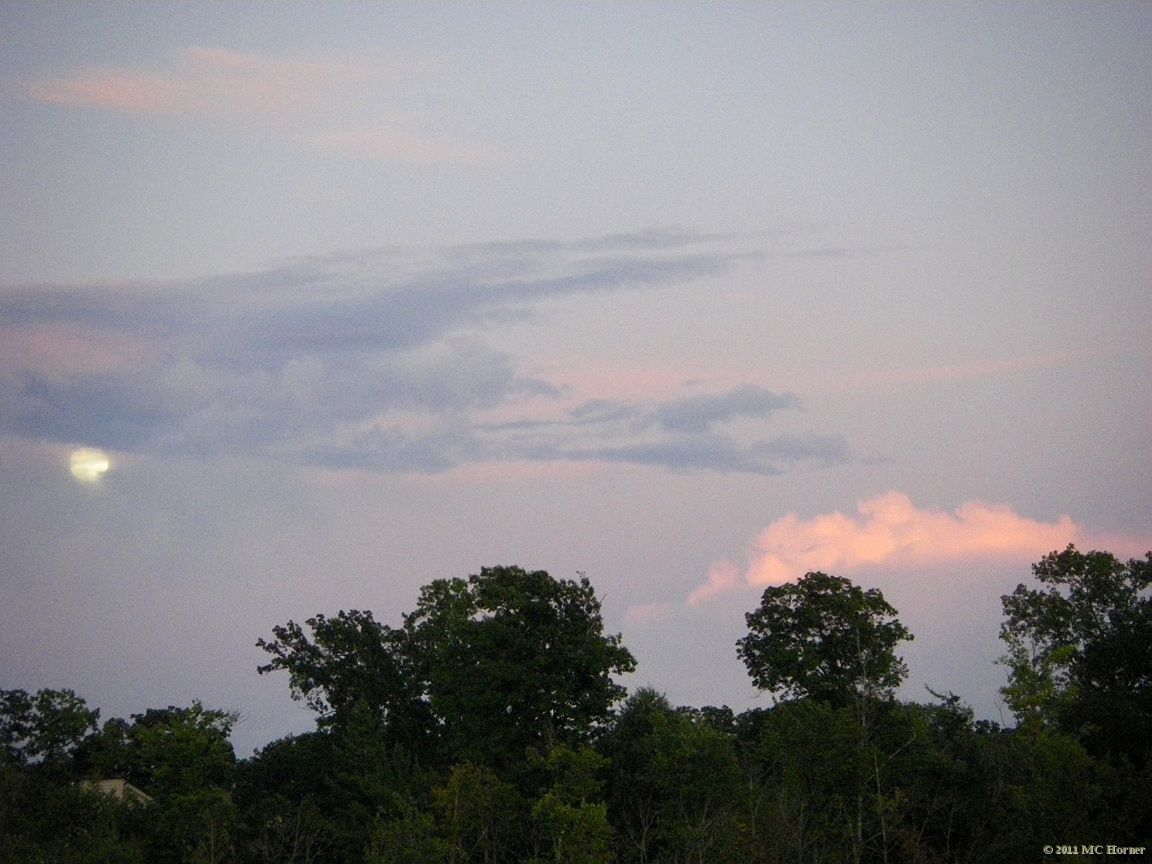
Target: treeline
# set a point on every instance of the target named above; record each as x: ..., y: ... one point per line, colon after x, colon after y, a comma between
x: 488, y: 727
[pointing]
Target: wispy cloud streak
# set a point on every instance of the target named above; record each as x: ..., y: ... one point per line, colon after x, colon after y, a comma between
x: 198, y: 80
x: 369, y: 360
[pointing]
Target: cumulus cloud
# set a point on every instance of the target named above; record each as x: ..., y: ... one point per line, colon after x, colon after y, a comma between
x: 890, y: 530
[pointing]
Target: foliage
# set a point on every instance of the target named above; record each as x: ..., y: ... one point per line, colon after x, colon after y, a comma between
x: 515, y: 659
x: 571, y: 813
x: 350, y: 664
x: 44, y: 726
x: 481, y: 815
x: 1080, y: 649
x: 482, y: 731
x: 676, y: 792
x: 482, y: 669
x: 47, y: 818
x: 824, y: 638
x: 164, y: 750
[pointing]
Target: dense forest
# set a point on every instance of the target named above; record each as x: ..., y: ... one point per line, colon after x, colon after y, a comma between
x: 489, y: 727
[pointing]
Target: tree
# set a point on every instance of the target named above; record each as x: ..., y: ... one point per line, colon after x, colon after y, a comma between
x: 571, y: 814
x: 45, y: 726
x: 164, y: 750
x: 1080, y: 649
x: 350, y: 664
x: 514, y: 659
x: 675, y: 789
x: 824, y: 638
x: 482, y: 669
x: 480, y: 815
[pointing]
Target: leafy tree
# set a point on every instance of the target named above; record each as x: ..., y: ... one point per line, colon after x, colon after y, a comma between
x: 480, y: 815
x: 824, y: 638
x: 482, y: 669
x: 1080, y: 649
x: 45, y: 726
x: 815, y: 794
x: 571, y: 813
x: 45, y: 817
x: 410, y: 836
x: 514, y: 659
x: 183, y: 758
x: 164, y: 751
x: 676, y: 792
x: 287, y: 832
x: 350, y: 664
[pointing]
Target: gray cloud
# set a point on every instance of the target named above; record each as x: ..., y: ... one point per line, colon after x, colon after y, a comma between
x: 678, y: 434
x: 310, y: 360
x: 699, y: 413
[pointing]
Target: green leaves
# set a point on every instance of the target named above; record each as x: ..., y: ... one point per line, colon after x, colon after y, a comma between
x: 515, y: 659
x: 489, y: 666
x: 824, y: 638
x: 44, y: 726
x: 165, y: 751
x: 1080, y: 649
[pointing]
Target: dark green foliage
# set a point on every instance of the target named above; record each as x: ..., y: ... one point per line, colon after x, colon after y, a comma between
x: 482, y: 732
x: 483, y: 669
x: 353, y: 664
x: 676, y: 792
x: 823, y: 637
x: 571, y: 815
x: 1080, y: 650
x: 45, y: 726
x: 164, y: 750
x: 514, y: 659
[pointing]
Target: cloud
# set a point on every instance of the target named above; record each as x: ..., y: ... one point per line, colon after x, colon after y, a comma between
x: 198, y: 80
x: 888, y: 530
x: 372, y: 360
x: 679, y: 434
x: 699, y: 413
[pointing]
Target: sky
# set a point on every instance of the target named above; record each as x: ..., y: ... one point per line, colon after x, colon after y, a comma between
x: 303, y: 306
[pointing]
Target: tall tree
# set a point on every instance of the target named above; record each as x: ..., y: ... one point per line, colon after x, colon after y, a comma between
x: 824, y: 638
x: 1080, y: 649
x: 516, y: 659
x: 350, y: 665
x: 483, y: 668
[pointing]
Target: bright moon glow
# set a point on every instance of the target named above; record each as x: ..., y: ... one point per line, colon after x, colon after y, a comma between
x: 89, y: 465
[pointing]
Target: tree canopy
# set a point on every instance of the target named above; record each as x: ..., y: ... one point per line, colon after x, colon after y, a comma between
x: 1080, y: 648
x: 486, y: 728
x: 824, y: 638
x: 489, y: 665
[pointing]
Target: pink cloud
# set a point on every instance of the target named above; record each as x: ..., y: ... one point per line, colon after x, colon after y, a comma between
x: 61, y: 351
x: 890, y: 530
x: 197, y: 80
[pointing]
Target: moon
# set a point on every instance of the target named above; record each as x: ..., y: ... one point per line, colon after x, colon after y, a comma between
x: 89, y: 464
